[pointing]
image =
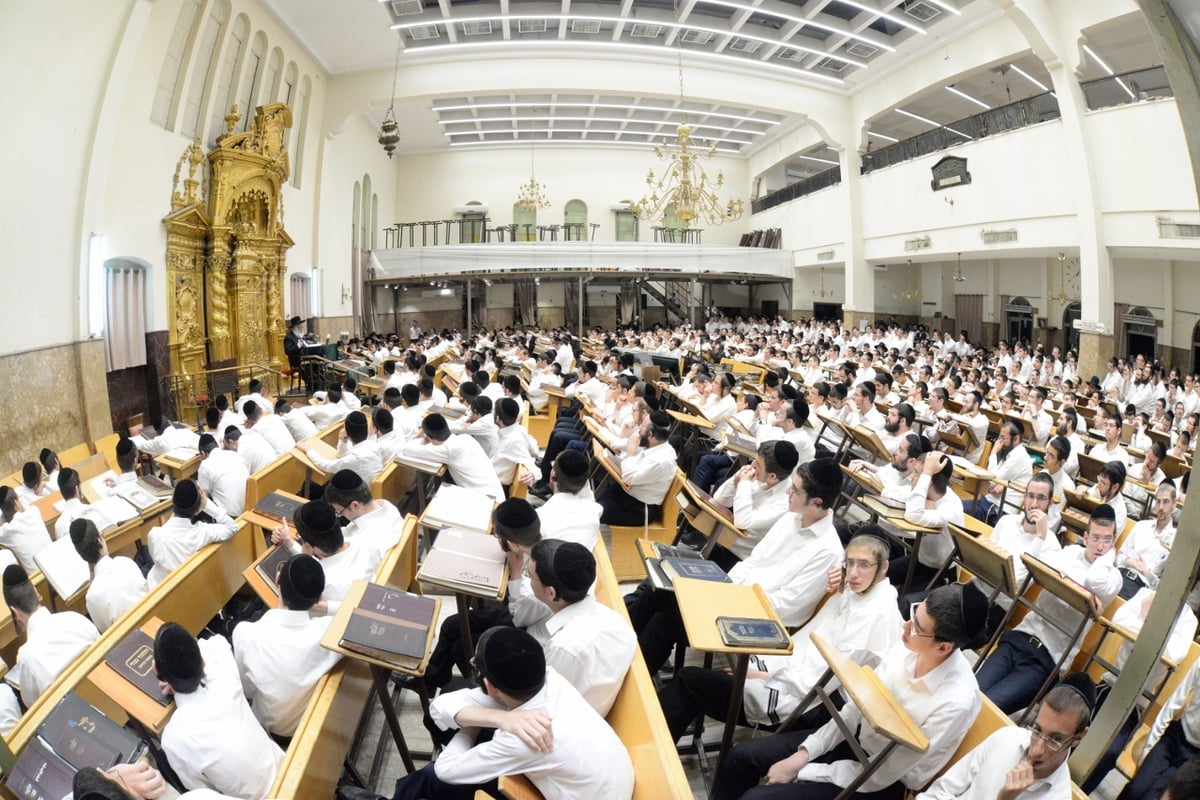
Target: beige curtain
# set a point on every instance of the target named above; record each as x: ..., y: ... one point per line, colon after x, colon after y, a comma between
x: 968, y: 315
x: 300, y: 296
x: 125, y: 323
x: 627, y: 300
x: 571, y: 303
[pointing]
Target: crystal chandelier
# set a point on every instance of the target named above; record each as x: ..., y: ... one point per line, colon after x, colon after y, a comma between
x: 389, y: 130
x: 532, y: 195
x: 685, y: 183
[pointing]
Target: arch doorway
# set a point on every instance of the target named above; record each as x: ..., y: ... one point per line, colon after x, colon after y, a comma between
x: 1018, y: 315
x: 1141, y: 333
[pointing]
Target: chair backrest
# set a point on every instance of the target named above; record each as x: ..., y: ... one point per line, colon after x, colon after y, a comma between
x: 107, y: 445
x: 73, y: 455
x: 989, y: 720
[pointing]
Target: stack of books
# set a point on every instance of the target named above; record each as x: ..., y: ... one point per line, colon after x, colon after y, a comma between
x: 456, y: 507
x: 391, y: 625
x: 680, y: 562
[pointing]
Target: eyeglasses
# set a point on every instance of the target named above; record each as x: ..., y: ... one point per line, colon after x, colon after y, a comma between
x: 1101, y: 539
x: 912, y: 619
x: 1053, y: 743
x: 863, y: 565
x: 1037, y: 498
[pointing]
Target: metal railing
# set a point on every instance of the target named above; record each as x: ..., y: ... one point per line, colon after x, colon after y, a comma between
x: 813, y: 183
x: 1127, y: 87
x: 189, y: 395
x: 1021, y: 114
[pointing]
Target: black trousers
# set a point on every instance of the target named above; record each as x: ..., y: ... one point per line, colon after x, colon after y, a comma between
x: 751, y: 760
x: 449, y: 652
x: 425, y: 785
x: 656, y: 621
x: 1170, y: 753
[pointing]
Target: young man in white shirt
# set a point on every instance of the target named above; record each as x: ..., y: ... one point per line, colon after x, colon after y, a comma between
x: 356, y: 450
x: 930, y: 678
x: 1024, y: 763
x: 1009, y: 461
x: 544, y: 729
x: 117, y: 584
x: 73, y: 506
x: 1016, y: 669
x: 571, y: 513
x: 371, y: 522
x: 648, y: 467
x: 343, y: 561
x: 22, y: 530
x: 758, y: 495
x: 465, y: 460
x: 279, y: 656
x: 1144, y: 554
x: 195, y: 522
x: 222, y: 476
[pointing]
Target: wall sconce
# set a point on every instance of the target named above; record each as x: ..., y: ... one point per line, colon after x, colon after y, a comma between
x: 346, y: 295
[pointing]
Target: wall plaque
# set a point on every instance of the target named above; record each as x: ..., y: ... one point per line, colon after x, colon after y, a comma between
x: 950, y: 171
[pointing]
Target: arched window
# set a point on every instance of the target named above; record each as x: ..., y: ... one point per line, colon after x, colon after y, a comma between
x: 626, y: 224
x: 170, y: 77
x: 523, y: 217
x: 575, y: 217
x: 125, y: 313
x: 671, y: 218
x: 235, y: 49
x: 287, y: 90
x: 204, y: 68
x: 269, y: 89
x: 299, y: 123
x: 250, y: 78
x: 1018, y: 314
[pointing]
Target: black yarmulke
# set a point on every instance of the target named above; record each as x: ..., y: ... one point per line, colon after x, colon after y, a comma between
x: 346, y: 480
x: 177, y: 656
x: 785, y: 455
x: 125, y: 447
x: 1081, y: 683
x: 571, y: 464
x: 186, y: 498
x: 515, y: 513
x: 14, y: 575
x: 435, y: 426
x: 512, y: 660
x: 301, y: 582
x: 356, y: 424
x: 575, y: 566
x: 317, y: 519
x: 825, y: 472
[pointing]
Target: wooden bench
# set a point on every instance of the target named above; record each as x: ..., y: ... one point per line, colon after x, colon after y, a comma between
x: 312, y: 764
x: 626, y: 561
x: 286, y: 473
x: 636, y: 717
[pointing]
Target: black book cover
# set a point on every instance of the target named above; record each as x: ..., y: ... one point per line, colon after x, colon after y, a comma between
x: 133, y: 659
x: 278, y: 505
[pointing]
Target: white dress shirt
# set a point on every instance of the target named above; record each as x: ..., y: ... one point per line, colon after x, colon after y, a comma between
x: 861, y: 627
x: 587, y: 643
x: 377, y: 530
x: 222, y: 476
x: 1146, y: 541
x: 755, y: 510
x: 649, y: 472
x: 280, y: 659
x: 981, y: 774
x: 588, y: 760
x: 25, y: 536
x: 571, y: 517
x: 10, y: 710
x: 178, y: 538
x: 117, y: 586
x: 790, y: 565
x: 947, y: 510
x: 72, y: 510
x: 1062, y: 481
x: 943, y: 703
x: 1101, y: 578
x: 362, y: 458
x: 514, y: 447
x: 354, y: 562
x: 1184, y: 705
x: 1010, y: 536
x: 167, y: 441
x: 1118, y: 453
x: 1016, y: 466
x: 276, y: 433
x: 255, y: 451
x: 52, y: 642
x: 465, y: 460
x: 299, y: 425
x: 213, y: 740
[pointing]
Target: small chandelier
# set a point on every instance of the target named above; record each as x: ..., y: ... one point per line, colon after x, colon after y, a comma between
x: 822, y: 292
x: 684, y: 183
x: 908, y: 293
x: 389, y: 130
x: 532, y: 195
x: 958, y: 276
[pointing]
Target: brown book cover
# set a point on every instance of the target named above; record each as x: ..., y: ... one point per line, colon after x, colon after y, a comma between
x: 279, y: 505
x: 133, y: 659
x: 40, y: 774
x: 268, y: 566
x: 389, y: 624
x: 155, y: 486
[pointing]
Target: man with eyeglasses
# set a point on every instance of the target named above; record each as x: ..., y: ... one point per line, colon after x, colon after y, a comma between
x: 1017, y: 763
x: 928, y: 676
x: 1029, y: 653
x: 1144, y: 554
x: 1058, y: 453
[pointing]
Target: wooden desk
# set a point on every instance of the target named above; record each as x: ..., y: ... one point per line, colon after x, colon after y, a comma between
x: 423, y: 472
x: 700, y: 603
x: 178, y: 469
x: 129, y: 697
x: 894, y: 519
x: 379, y: 669
x: 707, y: 516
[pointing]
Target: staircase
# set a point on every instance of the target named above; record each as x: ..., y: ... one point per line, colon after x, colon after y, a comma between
x: 676, y: 296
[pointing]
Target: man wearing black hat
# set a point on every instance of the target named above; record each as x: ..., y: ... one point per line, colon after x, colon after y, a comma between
x: 648, y: 468
x: 22, y: 530
x: 930, y: 678
x: 515, y: 448
x: 185, y: 532
x: 293, y: 348
x: 1026, y: 655
x: 585, y: 641
x: 572, y: 513
x: 212, y: 740
x: 321, y: 537
x: 222, y: 475
x: 545, y: 730
x: 465, y: 460
x: 52, y: 641
x: 790, y: 564
x: 357, y: 451
x: 279, y: 656
x: 117, y: 584
x: 1020, y: 763
x: 372, y: 521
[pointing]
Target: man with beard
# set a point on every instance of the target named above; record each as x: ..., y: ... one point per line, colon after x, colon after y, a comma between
x: 1009, y: 461
x: 974, y: 419
x: 1110, y: 484
x: 897, y: 475
x: 897, y: 424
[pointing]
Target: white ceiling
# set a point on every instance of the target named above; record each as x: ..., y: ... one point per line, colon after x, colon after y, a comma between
x: 838, y: 44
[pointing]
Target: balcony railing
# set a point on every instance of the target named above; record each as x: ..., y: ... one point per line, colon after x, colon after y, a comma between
x: 813, y: 183
x: 1128, y: 87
